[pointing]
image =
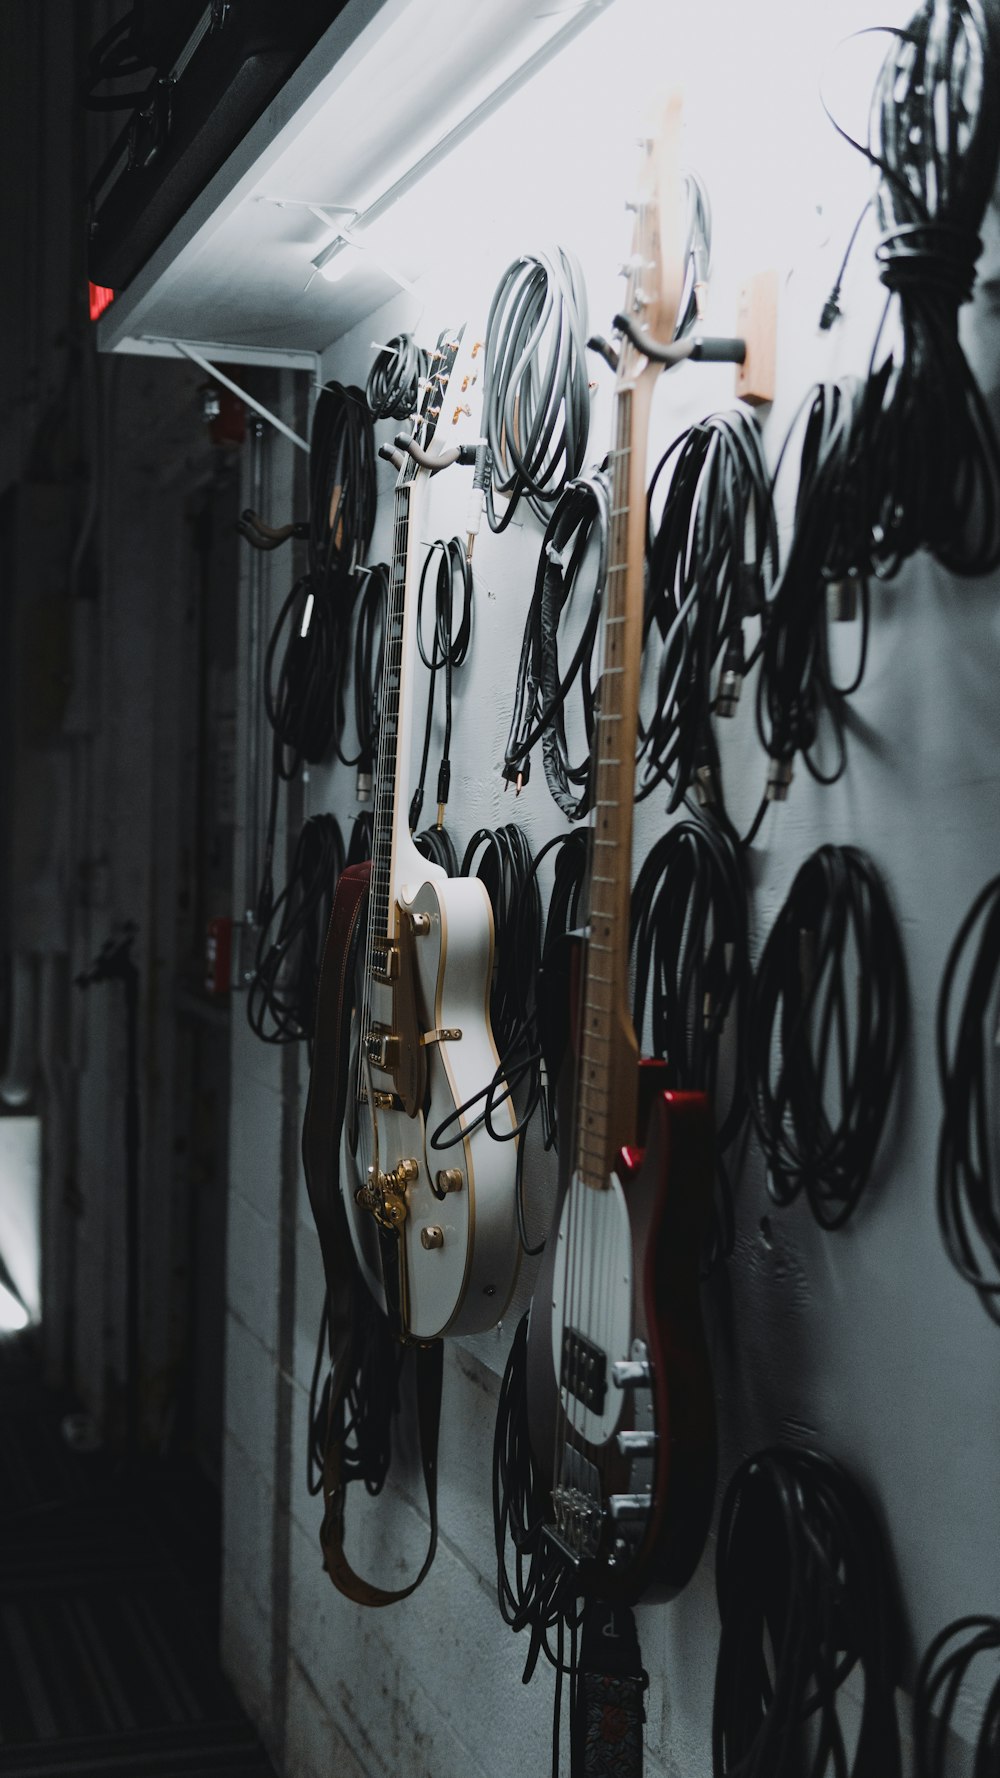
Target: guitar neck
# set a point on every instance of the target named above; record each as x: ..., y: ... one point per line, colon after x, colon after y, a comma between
x: 608, y: 1047
x: 392, y: 847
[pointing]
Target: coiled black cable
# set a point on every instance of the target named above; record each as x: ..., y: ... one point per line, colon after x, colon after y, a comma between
x: 342, y: 488
x: 932, y: 470
x: 537, y: 1587
x: 536, y: 394
x: 281, y: 1003
x: 805, y: 1597
x: 369, y: 653
x: 943, y: 1673
x: 968, y: 1174
x: 691, y: 957
x: 800, y: 705
x: 711, y: 563
x: 359, y: 846
x: 368, y: 1405
x: 449, y: 648
x: 577, y: 531
x: 437, y: 846
x: 825, y: 1029
x: 394, y: 381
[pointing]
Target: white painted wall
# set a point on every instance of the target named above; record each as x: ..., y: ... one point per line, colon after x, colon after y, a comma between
x: 864, y: 1342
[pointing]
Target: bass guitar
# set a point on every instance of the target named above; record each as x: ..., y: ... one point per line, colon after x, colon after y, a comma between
x: 433, y: 1224
x: 619, y: 1387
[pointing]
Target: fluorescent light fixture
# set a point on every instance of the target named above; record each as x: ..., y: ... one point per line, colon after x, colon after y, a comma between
x: 14, y: 1316
x: 337, y: 259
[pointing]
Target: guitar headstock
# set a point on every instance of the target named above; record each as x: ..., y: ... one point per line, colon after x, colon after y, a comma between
x: 432, y: 404
x: 655, y: 270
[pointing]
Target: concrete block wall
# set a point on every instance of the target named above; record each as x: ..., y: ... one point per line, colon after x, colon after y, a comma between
x: 865, y: 1343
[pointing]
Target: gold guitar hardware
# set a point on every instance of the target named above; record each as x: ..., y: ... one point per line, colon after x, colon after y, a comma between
x: 386, y: 964
x: 446, y: 1034
x: 385, y: 1101
x: 420, y: 925
x: 431, y: 1237
x: 450, y: 1179
x: 385, y: 1194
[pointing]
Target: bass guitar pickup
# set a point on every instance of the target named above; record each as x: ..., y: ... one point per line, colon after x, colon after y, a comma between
x: 382, y: 1048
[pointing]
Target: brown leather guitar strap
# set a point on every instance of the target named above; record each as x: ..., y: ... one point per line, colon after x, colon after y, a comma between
x: 325, y: 1109
x: 429, y: 1363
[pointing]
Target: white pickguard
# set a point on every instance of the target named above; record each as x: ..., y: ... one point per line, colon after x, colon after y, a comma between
x: 592, y: 1293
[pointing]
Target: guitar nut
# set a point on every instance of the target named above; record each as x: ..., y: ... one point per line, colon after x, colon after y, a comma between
x: 431, y: 1237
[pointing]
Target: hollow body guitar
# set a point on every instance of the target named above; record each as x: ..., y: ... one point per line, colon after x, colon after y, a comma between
x: 429, y: 1197
x: 619, y: 1386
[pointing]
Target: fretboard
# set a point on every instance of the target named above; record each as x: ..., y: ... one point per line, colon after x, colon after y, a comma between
x: 608, y: 1051
x: 381, y: 918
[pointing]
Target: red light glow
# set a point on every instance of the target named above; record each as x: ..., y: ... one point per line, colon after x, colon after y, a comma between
x: 100, y: 299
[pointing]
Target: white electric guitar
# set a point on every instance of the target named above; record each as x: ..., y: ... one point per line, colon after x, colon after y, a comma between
x: 434, y: 1228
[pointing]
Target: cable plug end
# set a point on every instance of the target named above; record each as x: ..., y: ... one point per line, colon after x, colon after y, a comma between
x: 779, y: 777
x: 706, y: 786
x: 517, y: 773
x: 842, y: 598
x: 364, y: 786
x: 728, y: 695
x: 831, y: 310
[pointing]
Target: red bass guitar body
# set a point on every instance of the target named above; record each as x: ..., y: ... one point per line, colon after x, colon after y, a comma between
x: 619, y: 1382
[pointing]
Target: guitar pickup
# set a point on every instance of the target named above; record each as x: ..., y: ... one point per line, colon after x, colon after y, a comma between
x: 584, y: 1370
x: 385, y: 965
x: 382, y: 1048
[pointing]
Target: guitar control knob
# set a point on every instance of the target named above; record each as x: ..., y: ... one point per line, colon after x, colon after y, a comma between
x: 633, y: 1444
x: 431, y: 1237
x: 630, y: 1370
x: 624, y: 1507
x: 450, y: 1179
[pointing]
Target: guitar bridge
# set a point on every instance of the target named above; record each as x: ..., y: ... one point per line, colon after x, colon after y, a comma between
x: 576, y: 1499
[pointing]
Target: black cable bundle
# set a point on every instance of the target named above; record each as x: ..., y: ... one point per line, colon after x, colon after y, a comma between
x: 369, y: 651
x: 342, y: 486
x: 932, y: 470
x: 281, y: 1003
x: 359, y: 847
x: 448, y: 651
x: 394, y: 381
x: 825, y: 565
x: 968, y: 1173
x: 943, y: 1672
x: 690, y: 950
x: 540, y: 1595
x: 437, y: 846
x: 580, y: 518
x: 304, y: 691
x: 711, y: 561
x: 825, y: 1029
x: 536, y: 394
x: 368, y: 1405
x: 805, y: 1596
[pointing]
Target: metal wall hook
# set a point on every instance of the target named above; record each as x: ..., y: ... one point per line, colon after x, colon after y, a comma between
x: 700, y: 350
